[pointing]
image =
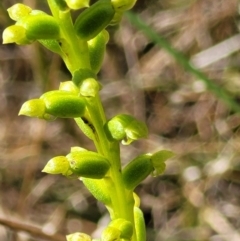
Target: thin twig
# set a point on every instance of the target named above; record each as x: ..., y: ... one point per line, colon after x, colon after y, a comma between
x: 34, y: 231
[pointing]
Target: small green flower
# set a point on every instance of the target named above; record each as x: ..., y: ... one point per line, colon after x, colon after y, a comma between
x: 15, y: 34
x: 18, y: 11
x: 158, y: 160
x: 33, y: 108
x: 126, y: 128
x: 58, y: 165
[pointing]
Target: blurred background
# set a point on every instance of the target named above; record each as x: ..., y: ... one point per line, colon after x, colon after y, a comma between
x: 198, y: 197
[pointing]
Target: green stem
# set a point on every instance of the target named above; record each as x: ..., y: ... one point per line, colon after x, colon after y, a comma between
x: 183, y: 61
x: 76, y: 50
x: 122, y: 199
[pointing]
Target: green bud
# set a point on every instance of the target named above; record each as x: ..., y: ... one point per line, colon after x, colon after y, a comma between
x: 18, y: 11
x: 63, y: 104
x: 110, y: 234
x: 126, y: 128
x: 136, y: 171
x: 94, y: 19
x: 158, y: 161
x: 78, y: 237
x: 33, y: 108
x: 88, y: 164
x: 139, y: 224
x: 40, y: 26
x: 97, y: 49
x: 15, y: 34
x: 80, y: 75
x: 77, y: 4
x: 89, y: 87
x: 125, y: 227
x: 69, y: 86
x: 58, y: 165
x: 123, y: 5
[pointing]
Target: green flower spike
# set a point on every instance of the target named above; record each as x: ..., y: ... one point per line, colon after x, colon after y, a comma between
x: 58, y: 165
x: 77, y: 4
x: 78, y: 237
x: 18, y: 11
x: 126, y: 128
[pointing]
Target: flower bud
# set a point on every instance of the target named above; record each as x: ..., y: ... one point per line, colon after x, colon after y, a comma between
x: 18, y: 11
x: 63, y: 104
x: 77, y: 4
x: 40, y: 26
x: 88, y: 164
x: 89, y: 87
x: 69, y: 86
x: 58, y: 165
x: 78, y: 237
x: 126, y: 128
x: 94, y: 19
x: 137, y: 170
x: 123, y: 5
x: 97, y: 48
x: 110, y: 234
